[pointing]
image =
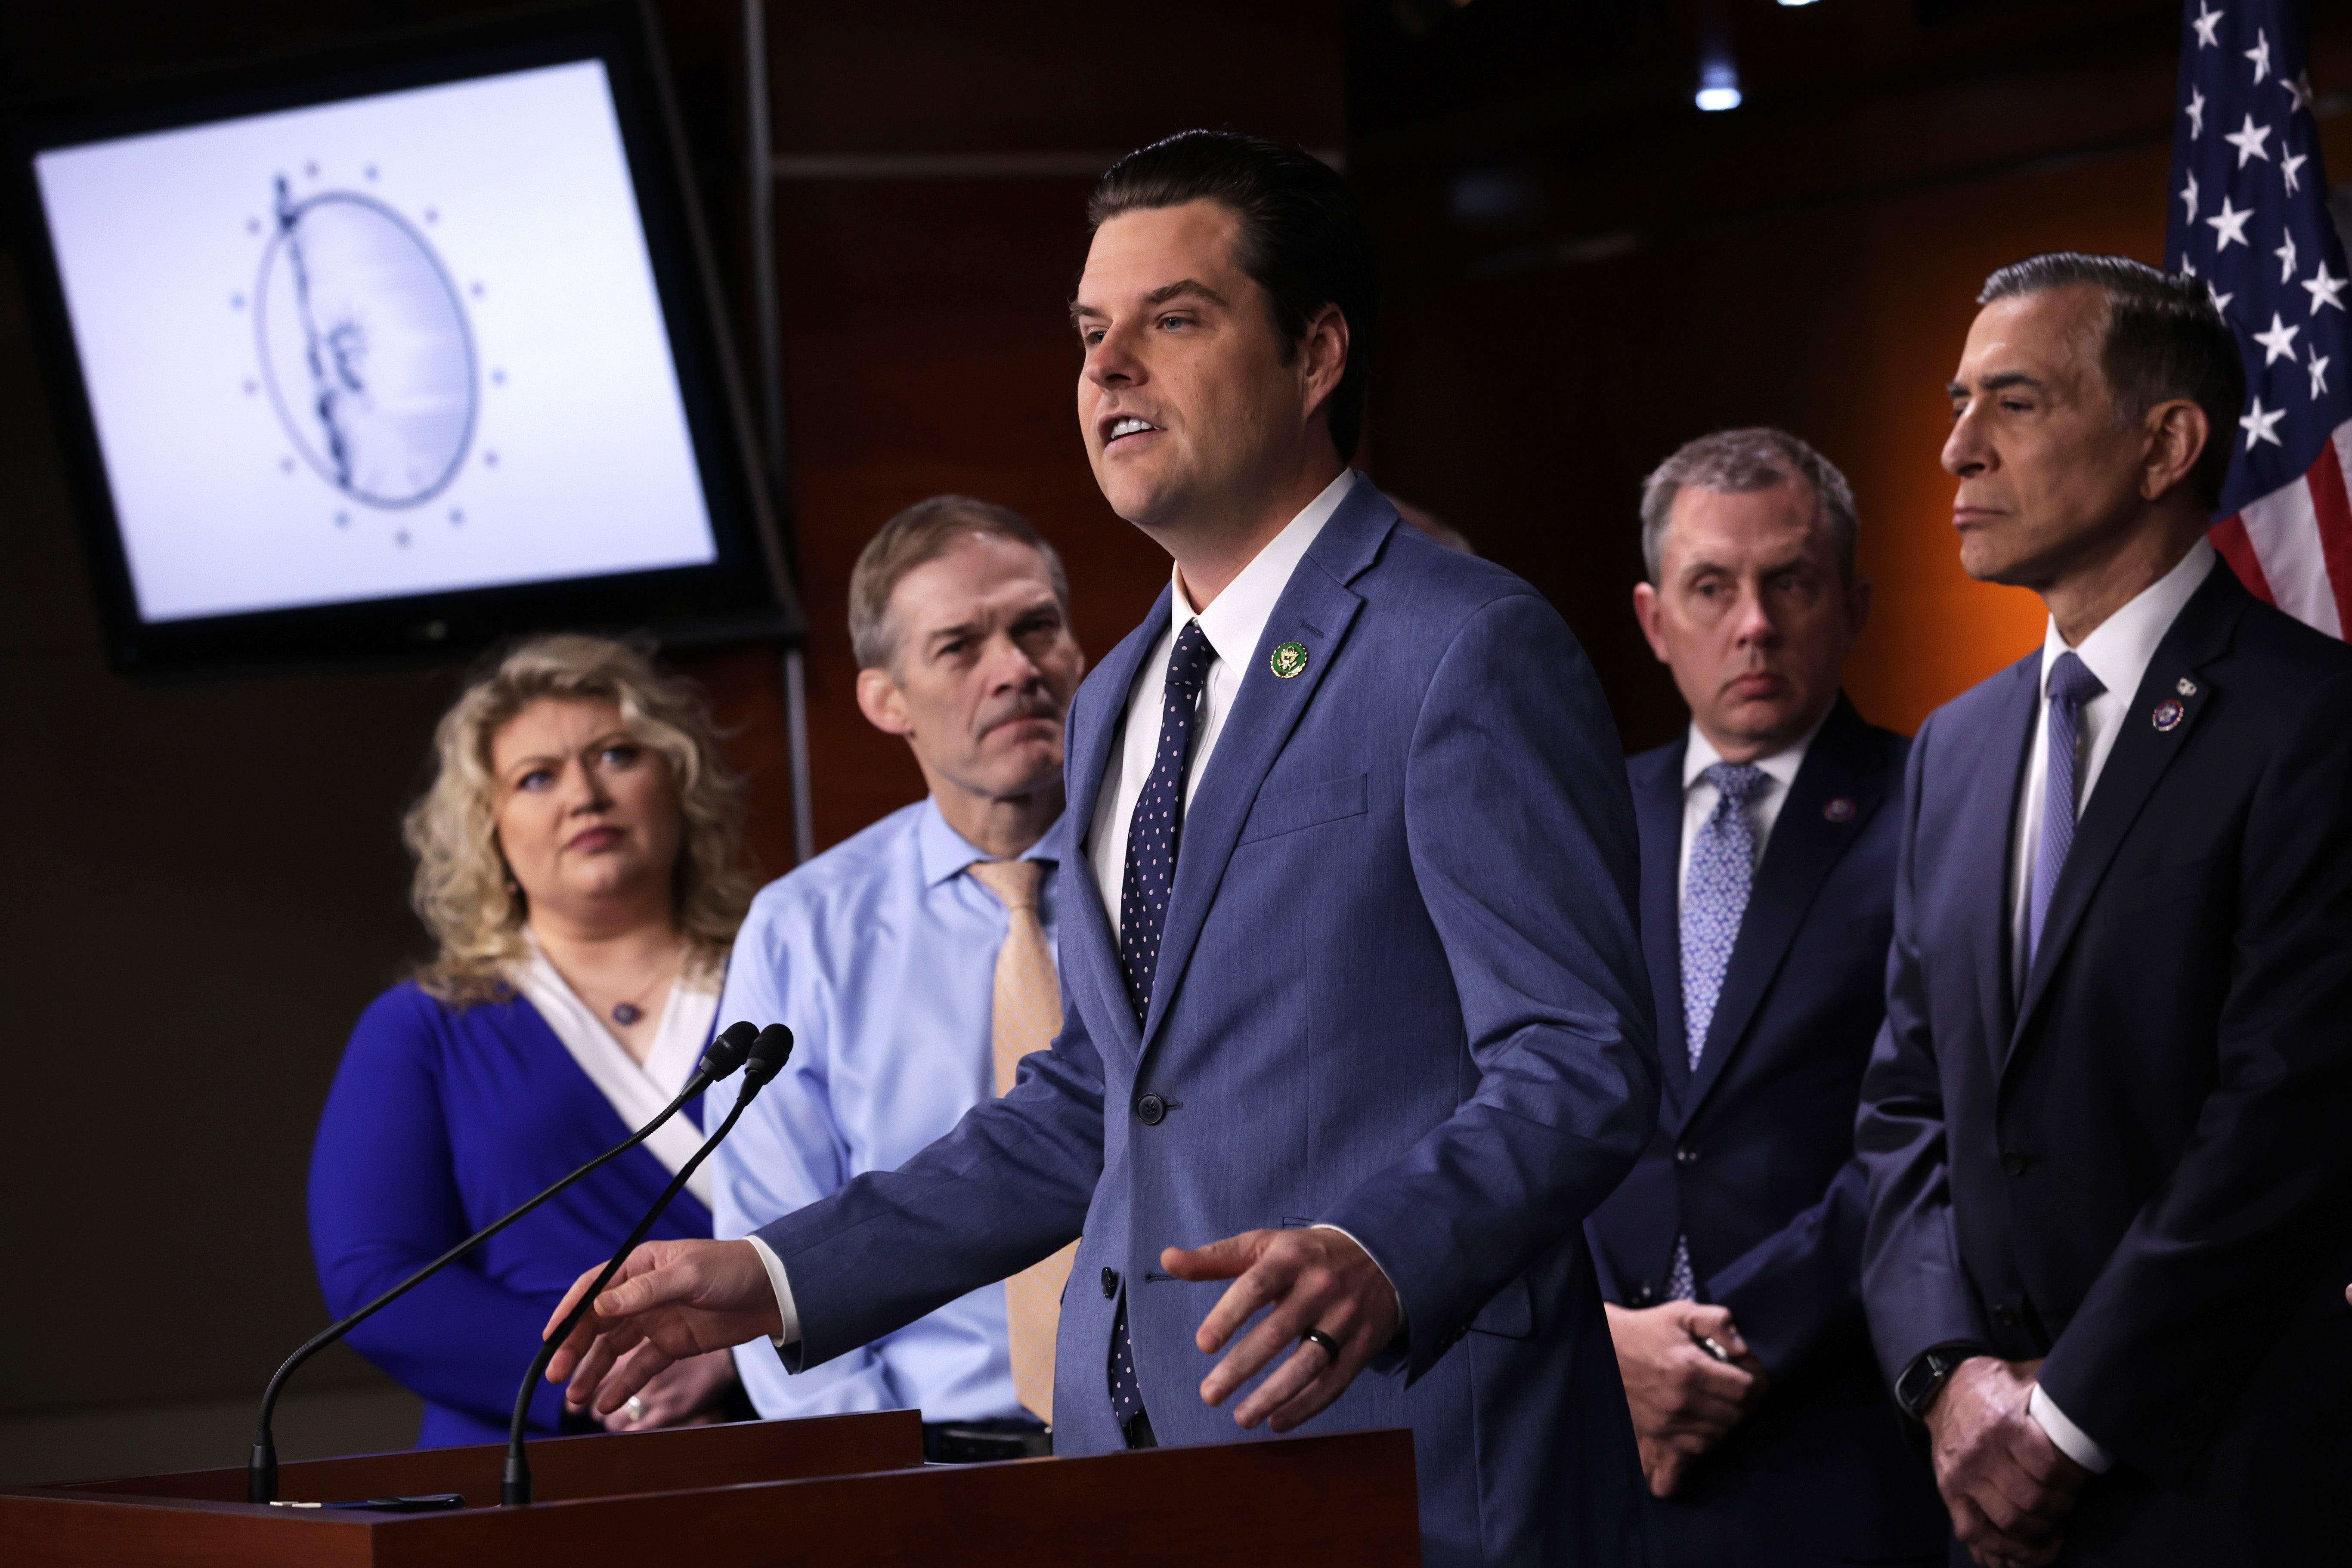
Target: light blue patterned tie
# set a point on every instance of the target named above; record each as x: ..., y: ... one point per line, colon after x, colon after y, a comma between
x: 1715, y: 897
x: 2072, y: 684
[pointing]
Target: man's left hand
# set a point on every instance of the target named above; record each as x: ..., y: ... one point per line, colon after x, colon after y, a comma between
x: 1311, y: 1280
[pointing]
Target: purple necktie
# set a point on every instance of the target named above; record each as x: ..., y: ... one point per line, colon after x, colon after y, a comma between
x: 2072, y: 684
x: 1149, y: 877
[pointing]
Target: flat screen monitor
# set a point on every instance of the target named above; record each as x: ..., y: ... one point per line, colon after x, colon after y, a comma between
x: 413, y: 350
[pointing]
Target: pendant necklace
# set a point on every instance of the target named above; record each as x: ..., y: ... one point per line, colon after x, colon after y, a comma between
x: 628, y: 1013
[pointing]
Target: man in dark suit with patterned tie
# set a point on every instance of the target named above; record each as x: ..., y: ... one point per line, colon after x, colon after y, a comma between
x: 1731, y: 1256
x: 1358, y: 1030
x: 2105, y: 1127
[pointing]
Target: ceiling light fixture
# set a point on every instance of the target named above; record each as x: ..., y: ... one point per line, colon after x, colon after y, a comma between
x: 1718, y: 87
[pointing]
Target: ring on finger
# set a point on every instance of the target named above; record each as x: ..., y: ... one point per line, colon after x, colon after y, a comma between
x: 1318, y: 1337
x: 636, y: 1408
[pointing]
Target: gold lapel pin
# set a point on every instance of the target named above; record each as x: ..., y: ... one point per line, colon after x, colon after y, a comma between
x: 1289, y: 660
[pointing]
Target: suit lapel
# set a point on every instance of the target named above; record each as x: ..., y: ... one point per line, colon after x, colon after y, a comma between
x: 2155, y: 726
x: 1316, y: 610
x: 1985, y: 822
x: 1658, y: 814
x: 1808, y: 839
x: 1090, y: 952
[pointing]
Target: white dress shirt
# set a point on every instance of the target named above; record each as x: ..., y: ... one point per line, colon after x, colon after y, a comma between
x: 1763, y: 809
x: 2118, y: 651
x: 1233, y: 624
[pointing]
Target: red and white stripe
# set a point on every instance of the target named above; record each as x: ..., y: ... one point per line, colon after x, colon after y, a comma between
x: 2294, y: 546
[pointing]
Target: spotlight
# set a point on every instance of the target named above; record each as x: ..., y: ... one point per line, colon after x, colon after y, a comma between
x: 1718, y: 87
x: 1794, y: 4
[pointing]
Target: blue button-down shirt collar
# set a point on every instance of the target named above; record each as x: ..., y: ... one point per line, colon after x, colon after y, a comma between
x: 945, y: 852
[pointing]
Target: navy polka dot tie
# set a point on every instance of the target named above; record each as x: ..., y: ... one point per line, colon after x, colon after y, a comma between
x: 1158, y: 817
x: 1151, y: 835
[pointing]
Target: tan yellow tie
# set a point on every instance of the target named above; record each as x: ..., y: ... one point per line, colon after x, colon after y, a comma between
x: 1026, y: 1017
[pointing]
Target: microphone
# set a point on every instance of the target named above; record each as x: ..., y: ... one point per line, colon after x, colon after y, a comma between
x: 769, y: 1054
x: 725, y: 1054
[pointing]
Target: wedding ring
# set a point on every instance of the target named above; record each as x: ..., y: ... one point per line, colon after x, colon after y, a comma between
x: 1318, y: 1337
x: 636, y: 1408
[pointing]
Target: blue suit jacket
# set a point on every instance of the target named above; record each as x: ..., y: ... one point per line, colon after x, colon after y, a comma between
x: 1399, y: 991
x: 1753, y: 1160
x: 2136, y: 1165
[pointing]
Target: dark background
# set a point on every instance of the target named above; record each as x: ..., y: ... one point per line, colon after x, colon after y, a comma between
x: 201, y: 883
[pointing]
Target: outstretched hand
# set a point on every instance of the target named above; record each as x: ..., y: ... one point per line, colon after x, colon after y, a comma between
x: 671, y: 1299
x: 1310, y: 1280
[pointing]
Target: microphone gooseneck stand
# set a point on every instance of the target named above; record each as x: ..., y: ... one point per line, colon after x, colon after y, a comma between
x: 725, y: 1053
x: 769, y: 1054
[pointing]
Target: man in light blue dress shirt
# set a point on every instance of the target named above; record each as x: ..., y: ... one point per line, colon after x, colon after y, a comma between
x: 882, y: 953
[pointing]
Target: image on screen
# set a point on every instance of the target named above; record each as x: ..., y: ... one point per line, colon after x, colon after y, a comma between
x: 403, y: 344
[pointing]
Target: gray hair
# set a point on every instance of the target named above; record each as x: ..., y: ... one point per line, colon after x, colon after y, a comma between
x: 2164, y: 338
x: 1738, y: 462
x: 917, y: 537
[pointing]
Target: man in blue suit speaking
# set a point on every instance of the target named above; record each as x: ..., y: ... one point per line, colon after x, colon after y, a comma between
x: 1357, y: 1022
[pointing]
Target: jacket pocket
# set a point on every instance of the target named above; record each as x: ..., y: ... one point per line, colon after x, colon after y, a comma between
x: 1317, y: 803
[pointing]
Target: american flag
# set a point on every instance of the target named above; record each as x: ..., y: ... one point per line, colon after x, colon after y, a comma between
x: 2250, y: 218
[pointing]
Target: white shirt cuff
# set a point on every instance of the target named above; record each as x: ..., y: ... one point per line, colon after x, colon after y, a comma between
x: 783, y: 1289
x: 1376, y: 1263
x: 2070, y: 1440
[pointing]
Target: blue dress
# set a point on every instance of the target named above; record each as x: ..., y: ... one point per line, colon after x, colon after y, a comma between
x: 439, y: 1122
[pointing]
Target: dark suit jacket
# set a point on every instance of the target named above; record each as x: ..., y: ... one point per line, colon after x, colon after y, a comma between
x: 2141, y: 1167
x: 1753, y: 1160
x: 1399, y: 989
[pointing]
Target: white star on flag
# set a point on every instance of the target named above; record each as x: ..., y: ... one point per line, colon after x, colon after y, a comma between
x: 2230, y: 225
x: 2278, y: 343
x: 2284, y: 519
x: 2323, y: 289
x: 2257, y: 425
x: 2249, y: 142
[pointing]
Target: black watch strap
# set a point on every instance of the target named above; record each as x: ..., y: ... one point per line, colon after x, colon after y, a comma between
x: 1929, y: 1370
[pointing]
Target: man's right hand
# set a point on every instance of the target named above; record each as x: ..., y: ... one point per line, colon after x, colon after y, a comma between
x: 2007, y: 1487
x: 1682, y: 1400
x: 671, y: 1299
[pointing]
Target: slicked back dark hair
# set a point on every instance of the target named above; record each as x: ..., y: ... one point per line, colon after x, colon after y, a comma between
x: 1302, y: 240
x: 2164, y: 339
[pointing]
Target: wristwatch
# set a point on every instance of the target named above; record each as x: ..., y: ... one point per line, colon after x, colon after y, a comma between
x: 1925, y: 1378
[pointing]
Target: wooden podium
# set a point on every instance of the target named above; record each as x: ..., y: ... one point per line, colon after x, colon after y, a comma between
x: 848, y: 1490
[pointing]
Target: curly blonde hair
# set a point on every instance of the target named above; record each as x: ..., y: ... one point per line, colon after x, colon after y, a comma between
x: 463, y: 891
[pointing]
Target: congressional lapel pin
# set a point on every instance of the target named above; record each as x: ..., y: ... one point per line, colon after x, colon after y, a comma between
x: 1839, y: 810
x: 2168, y: 715
x: 1289, y: 660
x: 2187, y: 688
